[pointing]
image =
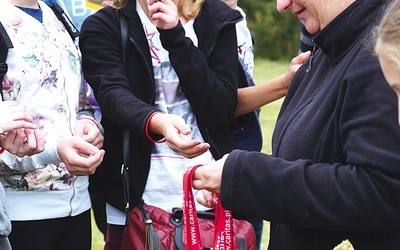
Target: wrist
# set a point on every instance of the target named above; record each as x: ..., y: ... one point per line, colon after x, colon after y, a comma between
x: 98, y: 125
x: 147, y: 129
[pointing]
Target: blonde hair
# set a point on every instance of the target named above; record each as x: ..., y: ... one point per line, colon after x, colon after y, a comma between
x: 387, y: 44
x: 188, y: 9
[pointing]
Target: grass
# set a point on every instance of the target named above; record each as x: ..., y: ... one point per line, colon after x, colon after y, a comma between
x: 264, y: 71
x: 97, y: 237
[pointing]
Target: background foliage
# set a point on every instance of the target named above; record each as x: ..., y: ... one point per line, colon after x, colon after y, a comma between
x: 276, y: 34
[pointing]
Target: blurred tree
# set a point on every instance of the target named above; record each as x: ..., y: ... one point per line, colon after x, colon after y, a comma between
x: 276, y: 34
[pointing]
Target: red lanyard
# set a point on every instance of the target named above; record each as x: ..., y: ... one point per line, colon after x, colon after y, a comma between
x: 223, y: 236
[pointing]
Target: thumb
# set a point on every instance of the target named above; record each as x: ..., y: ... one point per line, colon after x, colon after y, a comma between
x: 302, y: 57
x: 85, y: 147
x: 182, y: 127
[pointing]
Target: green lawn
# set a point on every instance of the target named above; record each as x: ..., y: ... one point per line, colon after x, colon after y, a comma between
x: 264, y: 71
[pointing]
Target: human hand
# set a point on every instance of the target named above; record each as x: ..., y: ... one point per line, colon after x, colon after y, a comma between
x: 175, y: 130
x: 88, y: 129
x: 206, y: 198
x: 14, y: 116
x: 295, y: 64
x: 209, y: 176
x: 23, y: 142
x: 164, y: 13
x: 208, y: 179
x: 18, y: 130
x: 80, y: 157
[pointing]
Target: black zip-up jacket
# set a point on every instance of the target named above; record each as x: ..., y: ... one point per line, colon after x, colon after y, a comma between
x: 335, y: 169
x: 126, y: 91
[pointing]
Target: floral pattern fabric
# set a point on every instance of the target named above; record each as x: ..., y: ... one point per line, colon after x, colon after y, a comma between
x: 44, y: 75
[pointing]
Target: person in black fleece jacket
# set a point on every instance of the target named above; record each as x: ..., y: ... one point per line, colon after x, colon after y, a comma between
x: 335, y: 164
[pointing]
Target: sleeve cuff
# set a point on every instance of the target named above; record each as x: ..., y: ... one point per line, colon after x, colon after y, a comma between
x: 49, y: 155
x: 148, y: 132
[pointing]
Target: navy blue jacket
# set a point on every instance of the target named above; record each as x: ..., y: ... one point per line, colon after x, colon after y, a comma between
x: 335, y: 169
x: 125, y: 92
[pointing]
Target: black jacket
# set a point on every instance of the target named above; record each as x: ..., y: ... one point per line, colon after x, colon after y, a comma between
x: 335, y: 169
x: 125, y: 91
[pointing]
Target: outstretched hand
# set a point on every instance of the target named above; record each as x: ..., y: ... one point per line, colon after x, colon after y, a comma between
x: 175, y: 131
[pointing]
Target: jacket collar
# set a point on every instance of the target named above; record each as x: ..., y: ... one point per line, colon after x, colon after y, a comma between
x: 348, y: 27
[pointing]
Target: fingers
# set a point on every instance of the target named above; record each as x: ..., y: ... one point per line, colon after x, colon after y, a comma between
x: 183, y: 145
x: 80, y: 157
x: 17, y: 112
x: 181, y: 126
x: 192, y: 149
x: 84, y: 148
x: 164, y: 13
x: 96, y: 140
x: 85, y: 165
x: 14, y: 116
x: 23, y: 142
x: 90, y: 132
x: 206, y: 198
x: 12, y: 141
x: 177, y: 134
x: 295, y: 64
x: 17, y: 124
x: 33, y: 142
x: 301, y: 57
x: 209, y: 176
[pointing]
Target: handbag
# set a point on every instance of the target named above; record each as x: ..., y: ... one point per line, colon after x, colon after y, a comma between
x: 152, y: 228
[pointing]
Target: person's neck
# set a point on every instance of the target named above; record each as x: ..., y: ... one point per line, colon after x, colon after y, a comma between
x: 33, y: 4
x: 145, y: 7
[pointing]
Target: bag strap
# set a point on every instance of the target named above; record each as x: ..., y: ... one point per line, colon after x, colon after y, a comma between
x: 153, y: 241
x: 125, y: 173
x: 223, y: 235
x: 5, y: 45
x: 125, y: 134
x: 69, y: 25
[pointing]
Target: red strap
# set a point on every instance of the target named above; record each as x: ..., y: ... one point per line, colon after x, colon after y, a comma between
x: 223, y: 237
